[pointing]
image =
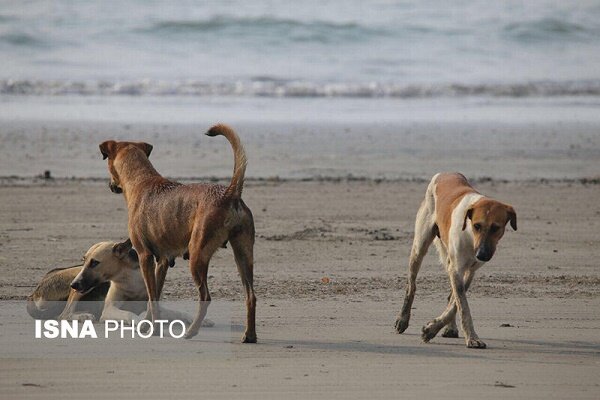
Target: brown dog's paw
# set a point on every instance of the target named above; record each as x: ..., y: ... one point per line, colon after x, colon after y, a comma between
x: 450, y: 332
x: 476, y: 344
x: 249, y: 338
x: 190, y: 333
x: 401, y: 324
x: 207, y: 323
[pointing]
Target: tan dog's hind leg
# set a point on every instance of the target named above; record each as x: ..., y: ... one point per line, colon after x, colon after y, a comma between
x: 448, y: 317
x: 424, y: 234
x: 243, y: 249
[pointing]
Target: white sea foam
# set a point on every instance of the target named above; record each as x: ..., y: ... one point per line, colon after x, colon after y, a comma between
x: 279, y: 88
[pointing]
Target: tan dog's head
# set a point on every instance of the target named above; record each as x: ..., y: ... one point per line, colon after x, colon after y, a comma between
x: 102, y: 262
x: 488, y: 221
x: 112, y: 151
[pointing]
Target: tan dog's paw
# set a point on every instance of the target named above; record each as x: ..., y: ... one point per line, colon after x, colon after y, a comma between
x: 428, y: 332
x: 476, y: 344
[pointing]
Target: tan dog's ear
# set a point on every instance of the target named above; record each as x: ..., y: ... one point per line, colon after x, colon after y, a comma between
x: 107, y: 148
x: 146, y: 147
x: 512, y: 217
x: 120, y: 250
x: 468, y: 215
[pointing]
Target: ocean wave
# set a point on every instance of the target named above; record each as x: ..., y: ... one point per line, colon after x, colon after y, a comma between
x: 21, y: 39
x: 549, y: 29
x: 272, y: 87
x: 296, y: 30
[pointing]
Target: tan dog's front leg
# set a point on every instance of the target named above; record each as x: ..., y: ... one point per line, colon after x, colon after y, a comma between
x: 448, y: 317
x: 147, y: 266
x: 459, y: 290
x: 74, y: 297
x: 451, y: 330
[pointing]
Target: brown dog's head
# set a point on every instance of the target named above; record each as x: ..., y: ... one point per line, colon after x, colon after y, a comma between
x: 488, y: 221
x: 102, y: 262
x: 112, y: 151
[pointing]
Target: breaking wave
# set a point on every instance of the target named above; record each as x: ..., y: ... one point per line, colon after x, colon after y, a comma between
x: 266, y: 87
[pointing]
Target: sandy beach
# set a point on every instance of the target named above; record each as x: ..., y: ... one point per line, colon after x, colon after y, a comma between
x: 346, y: 110
x: 341, y: 209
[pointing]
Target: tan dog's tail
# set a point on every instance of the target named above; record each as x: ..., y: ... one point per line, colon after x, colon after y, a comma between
x: 239, y: 168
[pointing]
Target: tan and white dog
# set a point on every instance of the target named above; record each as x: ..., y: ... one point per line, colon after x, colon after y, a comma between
x: 466, y: 227
x: 110, y: 265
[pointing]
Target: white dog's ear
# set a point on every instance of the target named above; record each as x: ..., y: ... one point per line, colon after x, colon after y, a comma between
x: 512, y: 217
x: 468, y: 215
x: 120, y: 250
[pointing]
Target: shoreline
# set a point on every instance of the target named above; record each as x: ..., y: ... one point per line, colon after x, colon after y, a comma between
x: 40, y: 180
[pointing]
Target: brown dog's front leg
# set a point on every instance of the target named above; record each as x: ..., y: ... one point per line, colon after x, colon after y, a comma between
x: 147, y: 266
x: 161, y: 273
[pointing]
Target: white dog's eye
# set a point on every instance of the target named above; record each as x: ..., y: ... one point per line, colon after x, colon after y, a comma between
x: 94, y: 263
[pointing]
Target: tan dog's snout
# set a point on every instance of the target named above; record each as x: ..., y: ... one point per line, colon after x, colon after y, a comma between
x: 83, y: 284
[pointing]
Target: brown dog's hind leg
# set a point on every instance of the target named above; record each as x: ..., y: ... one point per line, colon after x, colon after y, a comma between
x: 425, y: 232
x: 201, y: 251
x: 243, y: 250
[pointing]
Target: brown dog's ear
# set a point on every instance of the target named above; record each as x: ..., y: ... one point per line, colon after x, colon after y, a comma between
x: 107, y: 148
x: 146, y: 147
x: 468, y: 215
x: 120, y: 250
x: 512, y: 217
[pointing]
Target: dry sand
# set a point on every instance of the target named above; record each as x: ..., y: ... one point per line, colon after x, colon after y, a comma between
x: 332, y: 340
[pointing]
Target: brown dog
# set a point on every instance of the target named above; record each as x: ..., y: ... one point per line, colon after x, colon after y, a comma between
x: 168, y: 219
x: 468, y: 227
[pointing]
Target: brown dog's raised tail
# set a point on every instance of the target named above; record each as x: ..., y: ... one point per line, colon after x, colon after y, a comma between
x: 239, y: 168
